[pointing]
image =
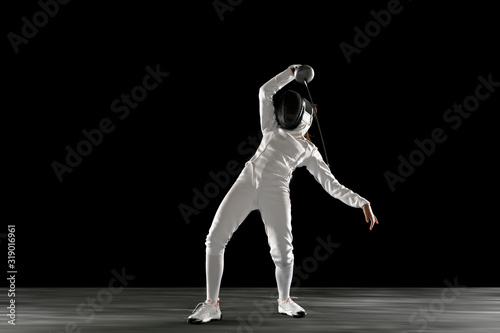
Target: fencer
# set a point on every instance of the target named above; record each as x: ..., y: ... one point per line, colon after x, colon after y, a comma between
x: 264, y: 185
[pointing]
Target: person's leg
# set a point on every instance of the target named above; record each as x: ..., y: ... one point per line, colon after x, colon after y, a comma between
x: 274, y: 205
x: 235, y: 207
x: 283, y: 280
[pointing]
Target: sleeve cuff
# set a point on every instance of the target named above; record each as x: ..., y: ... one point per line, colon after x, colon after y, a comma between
x: 363, y: 202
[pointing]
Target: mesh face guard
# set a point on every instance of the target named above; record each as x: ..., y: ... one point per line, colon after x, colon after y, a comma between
x: 289, y: 109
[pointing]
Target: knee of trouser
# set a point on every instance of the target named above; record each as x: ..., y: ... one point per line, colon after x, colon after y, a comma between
x: 214, y: 246
x: 282, y: 257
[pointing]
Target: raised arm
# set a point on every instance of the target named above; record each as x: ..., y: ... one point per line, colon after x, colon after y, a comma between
x: 266, y: 93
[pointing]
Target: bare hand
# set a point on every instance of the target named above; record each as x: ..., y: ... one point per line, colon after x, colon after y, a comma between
x: 367, y: 210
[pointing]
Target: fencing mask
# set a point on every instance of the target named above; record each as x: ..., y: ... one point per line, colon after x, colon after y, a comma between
x: 289, y: 109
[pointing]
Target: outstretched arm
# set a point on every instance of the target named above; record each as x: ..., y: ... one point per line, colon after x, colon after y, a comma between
x: 266, y: 93
x: 321, y: 172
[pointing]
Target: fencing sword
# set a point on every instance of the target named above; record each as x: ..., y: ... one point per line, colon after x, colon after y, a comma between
x: 304, y: 74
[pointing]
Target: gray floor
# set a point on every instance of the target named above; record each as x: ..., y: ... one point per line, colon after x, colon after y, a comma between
x: 471, y: 310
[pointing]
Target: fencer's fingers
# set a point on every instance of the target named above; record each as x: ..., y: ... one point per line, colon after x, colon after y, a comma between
x: 373, y: 219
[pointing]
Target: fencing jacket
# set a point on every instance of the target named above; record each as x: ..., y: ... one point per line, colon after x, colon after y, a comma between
x: 281, y: 151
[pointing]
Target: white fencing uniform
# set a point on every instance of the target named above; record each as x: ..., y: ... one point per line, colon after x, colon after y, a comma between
x: 264, y: 185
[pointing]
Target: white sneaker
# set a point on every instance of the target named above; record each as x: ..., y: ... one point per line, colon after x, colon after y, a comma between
x: 205, y: 312
x: 290, y: 308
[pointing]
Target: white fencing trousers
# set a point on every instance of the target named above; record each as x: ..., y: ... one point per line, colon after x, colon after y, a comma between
x: 272, y: 199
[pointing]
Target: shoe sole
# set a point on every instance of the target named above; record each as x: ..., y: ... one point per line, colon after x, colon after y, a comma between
x: 297, y: 315
x: 193, y: 321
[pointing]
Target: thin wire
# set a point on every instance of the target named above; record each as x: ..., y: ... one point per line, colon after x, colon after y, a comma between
x: 319, y: 127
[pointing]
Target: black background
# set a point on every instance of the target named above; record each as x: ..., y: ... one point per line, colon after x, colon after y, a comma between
x: 120, y: 206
